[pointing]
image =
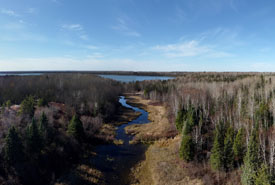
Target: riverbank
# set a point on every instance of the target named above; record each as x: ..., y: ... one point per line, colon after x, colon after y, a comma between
x: 92, y: 167
x: 162, y: 164
x: 158, y: 128
x: 107, y: 132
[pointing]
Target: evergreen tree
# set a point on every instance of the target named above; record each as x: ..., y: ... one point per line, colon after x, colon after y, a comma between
x: 75, y: 128
x: 8, y: 104
x: 239, y: 146
x: 13, y: 151
x: 187, y: 148
x: 179, y: 121
x: 3, y: 108
x: 263, y: 177
x: 228, y: 149
x: 189, y: 122
x: 43, y: 125
x: 34, y: 139
x: 27, y: 106
x: 217, y: 152
x: 251, y: 162
x: 41, y: 102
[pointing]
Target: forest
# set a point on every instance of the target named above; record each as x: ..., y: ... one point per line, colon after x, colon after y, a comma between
x: 225, y: 121
x: 47, y: 122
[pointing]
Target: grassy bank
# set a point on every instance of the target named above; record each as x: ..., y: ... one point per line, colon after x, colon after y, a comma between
x: 163, y: 164
x: 158, y: 128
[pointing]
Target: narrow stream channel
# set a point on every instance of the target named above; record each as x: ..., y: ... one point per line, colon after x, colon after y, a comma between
x: 116, y: 160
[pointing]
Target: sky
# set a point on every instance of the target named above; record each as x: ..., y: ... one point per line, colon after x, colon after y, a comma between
x: 137, y: 35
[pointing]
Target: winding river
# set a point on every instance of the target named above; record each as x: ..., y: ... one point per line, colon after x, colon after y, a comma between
x: 116, y: 160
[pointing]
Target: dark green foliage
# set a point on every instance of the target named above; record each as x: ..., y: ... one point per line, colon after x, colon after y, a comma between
x: 179, y: 121
x: 34, y: 138
x: 228, y: 149
x: 75, y: 128
x: 43, y: 125
x: 3, y: 108
x: 13, y: 151
x: 264, y: 116
x: 251, y: 160
x: 187, y: 148
x: 27, y: 106
x: 239, y: 146
x: 191, y: 118
x: 41, y: 102
x: 263, y: 177
x: 217, y: 152
x: 186, y: 119
x: 8, y: 103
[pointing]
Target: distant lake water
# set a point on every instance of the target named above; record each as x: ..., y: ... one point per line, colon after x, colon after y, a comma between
x: 133, y: 78
x: 20, y: 74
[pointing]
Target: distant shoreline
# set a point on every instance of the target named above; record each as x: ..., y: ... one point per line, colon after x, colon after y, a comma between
x: 136, y: 73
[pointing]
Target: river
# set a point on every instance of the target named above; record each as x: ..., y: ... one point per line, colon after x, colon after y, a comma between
x: 115, y: 161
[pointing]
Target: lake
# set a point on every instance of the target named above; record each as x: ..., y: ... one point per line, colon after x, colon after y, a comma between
x: 20, y: 74
x: 133, y: 78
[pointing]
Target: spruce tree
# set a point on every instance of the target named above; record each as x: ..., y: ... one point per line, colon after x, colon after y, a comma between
x: 179, y: 120
x: 251, y: 162
x: 43, y: 125
x: 27, y: 106
x: 187, y: 148
x: 239, y: 146
x: 228, y: 149
x: 217, y: 152
x: 13, y: 150
x: 34, y: 139
x: 75, y: 128
x: 189, y: 122
x: 263, y: 177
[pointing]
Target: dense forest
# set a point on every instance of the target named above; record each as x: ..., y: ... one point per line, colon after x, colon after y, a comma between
x: 47, y: 122
x: 226, y: 121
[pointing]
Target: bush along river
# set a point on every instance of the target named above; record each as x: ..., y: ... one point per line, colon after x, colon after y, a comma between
x: 115, y: 161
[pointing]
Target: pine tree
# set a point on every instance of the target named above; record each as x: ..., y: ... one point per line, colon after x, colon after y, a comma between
x: 239, y: 146
x: 187, y: 148
x: 34, y: 139
x: 75, y: 128
x: 13, y: 151
x: 263, y: 177
x: 251, y: 162
x: 228, y: 149
x: 189, y: 122
x: 43, y: 125
x: 27, y: 106
x: 179, y: 121
x: 217, y: 152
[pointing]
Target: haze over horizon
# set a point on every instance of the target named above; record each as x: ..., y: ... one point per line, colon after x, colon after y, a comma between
x: 132, y: 35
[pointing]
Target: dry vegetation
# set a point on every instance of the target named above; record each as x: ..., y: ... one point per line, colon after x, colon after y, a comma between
x: 211, y: 109
x: 163, y: 164
x: 159, y: 127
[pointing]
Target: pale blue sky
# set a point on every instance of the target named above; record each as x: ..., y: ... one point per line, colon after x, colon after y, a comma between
x: 139, y: 35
